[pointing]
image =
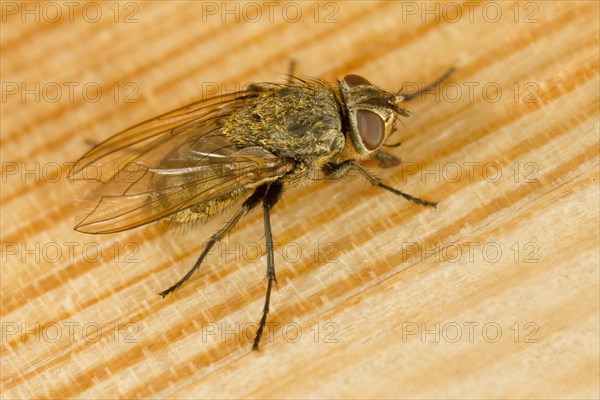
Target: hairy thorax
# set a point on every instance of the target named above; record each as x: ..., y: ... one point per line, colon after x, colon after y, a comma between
x: 297, y: 122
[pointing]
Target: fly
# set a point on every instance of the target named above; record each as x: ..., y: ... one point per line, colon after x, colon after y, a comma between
x: 249, y: 146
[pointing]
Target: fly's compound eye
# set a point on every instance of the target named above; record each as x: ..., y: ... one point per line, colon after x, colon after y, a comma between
x: 371, y: 129
x: 353, y: 80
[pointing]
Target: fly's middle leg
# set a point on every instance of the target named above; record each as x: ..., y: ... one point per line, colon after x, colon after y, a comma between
x: 270, y: 199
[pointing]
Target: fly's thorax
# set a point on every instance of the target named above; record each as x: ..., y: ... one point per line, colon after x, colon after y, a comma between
x: 370, y: 114
x: 299, y: 121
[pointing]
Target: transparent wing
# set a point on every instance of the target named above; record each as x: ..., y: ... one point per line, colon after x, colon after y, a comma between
x: 177, y: 161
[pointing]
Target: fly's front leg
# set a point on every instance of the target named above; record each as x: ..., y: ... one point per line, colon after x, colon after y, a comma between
x: 429, y: 88
x: 385, y: 159
x: 270, y: 199
x: 336, y: 171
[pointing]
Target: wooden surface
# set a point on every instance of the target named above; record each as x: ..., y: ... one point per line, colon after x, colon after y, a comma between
x: 494, y: 294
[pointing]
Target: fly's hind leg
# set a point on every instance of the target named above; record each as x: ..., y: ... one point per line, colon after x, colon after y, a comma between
x: 249, y: 204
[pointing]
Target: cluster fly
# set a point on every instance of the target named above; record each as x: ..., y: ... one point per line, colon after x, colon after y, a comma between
x: 193, y: 162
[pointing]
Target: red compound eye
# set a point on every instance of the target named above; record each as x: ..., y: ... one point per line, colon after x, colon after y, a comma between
x: 371, y: 128
x: 355, y: 80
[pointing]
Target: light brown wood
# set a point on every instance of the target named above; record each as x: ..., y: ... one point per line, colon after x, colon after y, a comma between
x: 493, y: 294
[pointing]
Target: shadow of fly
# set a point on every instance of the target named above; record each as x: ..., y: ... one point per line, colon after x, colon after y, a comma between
x: 191, y: 163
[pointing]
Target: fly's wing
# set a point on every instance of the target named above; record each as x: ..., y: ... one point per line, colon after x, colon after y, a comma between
x: 168, y: 164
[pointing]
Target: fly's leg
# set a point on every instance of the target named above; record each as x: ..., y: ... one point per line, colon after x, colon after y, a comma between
x: 385, y: 159
x: 291, y: 70
x: 272, y: 196
x: 336, y: 171
x: 249, y: 204
x: 290, y: 74
x: 257, y: 87
x: 428, y: 88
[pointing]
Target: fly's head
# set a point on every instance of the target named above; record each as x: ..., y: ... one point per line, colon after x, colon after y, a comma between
x: 370, y: 113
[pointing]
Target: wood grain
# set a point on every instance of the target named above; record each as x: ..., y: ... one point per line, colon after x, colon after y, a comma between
x: 494, y: 294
